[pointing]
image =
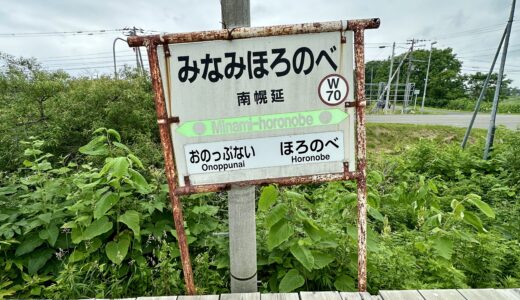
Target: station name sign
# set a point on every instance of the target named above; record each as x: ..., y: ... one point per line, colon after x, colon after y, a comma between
x: 260, y: 107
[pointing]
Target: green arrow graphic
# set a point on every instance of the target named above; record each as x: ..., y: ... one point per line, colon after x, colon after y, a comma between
x: 262, y: 123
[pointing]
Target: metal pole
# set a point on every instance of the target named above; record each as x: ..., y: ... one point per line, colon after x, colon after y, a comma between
x: 114, y: 53
x: 169, y: 164
x: 483, y: 91
x: 133, y: 32
x: 407, y: 87
x: 241, y: 203
x: 396, y: 88
x: 361, y: 159
x: 370, y: 91
x: 427, y: 73
x: 492, y: 128
x: 386, y: 87
x: 389, y: 77
x: 140, y: 60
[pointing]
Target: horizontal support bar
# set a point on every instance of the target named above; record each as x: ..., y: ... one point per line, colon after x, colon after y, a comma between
x: 250, y: 32
x: 211, y: 188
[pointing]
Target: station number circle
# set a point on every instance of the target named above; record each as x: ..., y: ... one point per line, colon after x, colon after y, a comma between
x: 333, y: 89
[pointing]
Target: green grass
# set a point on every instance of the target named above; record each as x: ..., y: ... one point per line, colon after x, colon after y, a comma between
x: 387, y: 138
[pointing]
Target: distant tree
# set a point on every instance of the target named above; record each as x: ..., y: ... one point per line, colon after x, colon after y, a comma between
x: 473, y: 84
x: 445, y: 80
x: 64, y: 111
x: 25, y: 92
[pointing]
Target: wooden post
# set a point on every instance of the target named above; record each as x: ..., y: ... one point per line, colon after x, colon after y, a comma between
x: 241, y: 203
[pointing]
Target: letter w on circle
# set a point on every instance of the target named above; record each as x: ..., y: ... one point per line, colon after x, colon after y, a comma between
x: 333, y: 82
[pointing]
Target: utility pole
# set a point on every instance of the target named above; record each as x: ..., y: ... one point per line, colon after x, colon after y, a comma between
x: 427, y: 73
x: 137, y: 50
x: 241, y: 200
x: 371, y: 78
x: 410, y: 67
x: 396, y: 88
x: 483, y: 91
x: 390, y: 77
x: 491, y: 130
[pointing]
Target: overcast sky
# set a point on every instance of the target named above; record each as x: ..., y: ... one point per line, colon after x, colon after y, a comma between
x: 471, y: 27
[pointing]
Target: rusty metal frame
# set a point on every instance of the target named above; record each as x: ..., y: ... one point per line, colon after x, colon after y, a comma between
x: 358, y: 26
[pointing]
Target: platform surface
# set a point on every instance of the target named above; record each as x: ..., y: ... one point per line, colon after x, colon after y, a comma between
x: 453, y: 294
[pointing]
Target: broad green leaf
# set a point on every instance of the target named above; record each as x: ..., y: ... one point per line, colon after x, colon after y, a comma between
x: 38, y: 259
x: 77, y: 255
x: 117, y: 250
x: 321, y: 259
x: 454, y: 203
x: 31, y: 242
x: 344, y: 283
x: 209, y: 210
x: 275, y: 215
x: 104, y: 204
x: 7, y: 190
x: 483, y: 206
x: 303, y: 255
x: 131, y: 219
x: 267, y: 197
x: 433, y: 186
x: 99, y: 130
x: 136, y: 160
x: 473, y: 220
x: 313, y: 230
x: 139, y: 182
x: 350, y: 198
x: 115, y: 134
x: 32, y: 152
x: 121, y: 146
x: 459, y: 209
x: 109, y: 161
x: 50, y: 234
x: 373, y: 200
x: 444, y: 247
x: 93, y: 245
x: 45, y: 217
x: 4, y: 217
x: 279, y: 233
x: 374, y: 177
x: 69, y: 225
x: 119, y: 167
x: 374, y: 213
x: 291, y: 281
x: 294, y: 195
x: 96, y: 147
x: 98, y: 227
x: 76, y: 235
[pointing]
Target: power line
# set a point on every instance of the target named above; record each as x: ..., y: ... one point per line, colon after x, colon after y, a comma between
x: 86, y: 68
x: 60, y: 33
x: 474, y: 31
x: 74, y: 58
x: 71, y: 33
x: 89, y: 63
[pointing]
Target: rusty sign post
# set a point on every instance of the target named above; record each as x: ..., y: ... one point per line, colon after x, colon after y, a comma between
x: 279, y: 110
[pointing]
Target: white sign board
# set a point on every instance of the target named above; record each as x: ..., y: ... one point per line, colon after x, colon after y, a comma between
x: 260, y: 95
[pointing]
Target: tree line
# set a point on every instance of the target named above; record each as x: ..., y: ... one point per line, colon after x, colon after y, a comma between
x: 446, y: 80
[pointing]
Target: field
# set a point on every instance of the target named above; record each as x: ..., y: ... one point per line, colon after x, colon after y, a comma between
x: 100, y: 226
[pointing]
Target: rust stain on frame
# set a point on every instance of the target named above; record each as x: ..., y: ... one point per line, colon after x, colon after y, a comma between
x: 208, y: 188
x: 359, y: 55
x: 250, y: 32
x: 167, y: 147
